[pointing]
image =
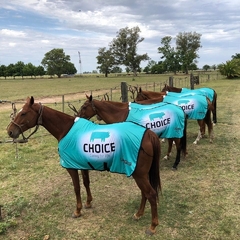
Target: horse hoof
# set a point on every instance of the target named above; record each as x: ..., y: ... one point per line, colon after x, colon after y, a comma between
x: 88, y: 206
x: 174, y: 168
x: 165, y: 158
x: 135, y: 217
x: 76, y: 215
x: 195, y: 142
x: 150, y: 232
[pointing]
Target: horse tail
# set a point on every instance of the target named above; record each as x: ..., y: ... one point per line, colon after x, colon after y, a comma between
x: 183, y: 141
x: 154, y: 172
x: 215, y: 107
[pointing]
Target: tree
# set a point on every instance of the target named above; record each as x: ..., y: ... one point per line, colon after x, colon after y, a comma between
x: 170, y: 55
x: 124, y: 48
x: 3, y: 71
x: 236, y: 56
x: 187, y: 45
x: 39, y: 71
x: 56, y: 62
x: 206, y: 67
x: 106, y: 60
x: 18, y: 69
x: 230, y: 69
x: 28, y: 70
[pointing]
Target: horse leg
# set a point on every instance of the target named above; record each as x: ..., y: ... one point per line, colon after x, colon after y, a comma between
x: 140, y: 211
x: 201, y: 131
x: 170, y: 143
x: 178, y: 148
x: 148, y: 193
x: 86, y: 183
x: 75, y: 179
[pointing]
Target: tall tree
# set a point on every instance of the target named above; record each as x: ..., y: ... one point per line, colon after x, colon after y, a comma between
x: 187, y: 45
x: 18, y: 69
x: 106, y: 60
x: 124, y: 48
x: 170, y: 56
x: 57, y: 62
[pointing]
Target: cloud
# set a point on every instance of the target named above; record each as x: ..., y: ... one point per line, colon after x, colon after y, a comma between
x: 33, y: 27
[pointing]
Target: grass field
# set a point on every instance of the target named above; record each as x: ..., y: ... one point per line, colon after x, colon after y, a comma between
x: 200, y: 200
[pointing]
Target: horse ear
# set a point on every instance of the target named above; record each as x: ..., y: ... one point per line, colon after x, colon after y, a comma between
x: 90, y: 98
x: 140, y: 89
x: 87, y: 96
x: 32, y: 100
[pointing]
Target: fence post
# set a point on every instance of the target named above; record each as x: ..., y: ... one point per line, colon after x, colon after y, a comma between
x: 124, y: 91
x: 191, y: 81
x: 171, y: 81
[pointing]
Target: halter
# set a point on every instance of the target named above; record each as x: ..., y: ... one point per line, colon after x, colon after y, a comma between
x: 39, y: 122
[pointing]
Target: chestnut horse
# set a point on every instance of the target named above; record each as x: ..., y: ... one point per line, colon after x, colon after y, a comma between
x: 146, y: 173
x: 149, y: 97
x: 208, y: 92
x: 112, y: 112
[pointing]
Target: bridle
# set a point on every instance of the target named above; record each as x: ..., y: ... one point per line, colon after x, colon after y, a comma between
x: 93, y: 107
x: 39, y: 122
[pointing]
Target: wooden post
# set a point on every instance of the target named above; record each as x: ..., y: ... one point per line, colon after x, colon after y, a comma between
x: 191, y: 81
x: 170, y: 81
x: 124, y: 91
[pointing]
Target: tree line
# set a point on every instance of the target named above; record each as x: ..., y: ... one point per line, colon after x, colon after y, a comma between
x: 55, y: 62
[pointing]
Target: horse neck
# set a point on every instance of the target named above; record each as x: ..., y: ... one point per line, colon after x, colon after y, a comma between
x: 55, y: 122
x: 174, y: 89
x: 152, y: 94
x: 111, y: 112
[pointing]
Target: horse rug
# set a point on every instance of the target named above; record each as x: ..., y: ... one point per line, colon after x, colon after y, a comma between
x: 195, y: 106
x: 208, y: 92
x: 112, y: 147
x: 166, y: 120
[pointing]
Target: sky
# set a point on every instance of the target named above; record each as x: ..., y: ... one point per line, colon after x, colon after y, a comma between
x: 31, y: 28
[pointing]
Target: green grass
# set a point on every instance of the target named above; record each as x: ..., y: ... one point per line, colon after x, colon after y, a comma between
x: 200, y: 200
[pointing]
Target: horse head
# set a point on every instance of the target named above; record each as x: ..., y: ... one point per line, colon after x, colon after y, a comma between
x: 87, y: 110
x: 141, y: 95
x: 28, y: 117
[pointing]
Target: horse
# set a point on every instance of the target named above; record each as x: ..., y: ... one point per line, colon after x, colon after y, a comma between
x: 112, y: 112
x: 146, y: 159
x: 151, y: 97
x: 208, y: 92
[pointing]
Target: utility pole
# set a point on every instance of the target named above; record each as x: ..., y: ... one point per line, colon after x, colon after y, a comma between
x: 80, y: 62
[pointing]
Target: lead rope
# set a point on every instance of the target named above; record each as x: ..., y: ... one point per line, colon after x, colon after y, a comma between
x: 12, y: 116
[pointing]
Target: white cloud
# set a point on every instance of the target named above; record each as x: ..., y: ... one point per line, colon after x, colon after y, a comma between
x: 37, y: 26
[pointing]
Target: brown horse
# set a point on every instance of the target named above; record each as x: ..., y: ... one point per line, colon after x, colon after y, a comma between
x: 208, y: 92
x: 152, y: 97
x: 146, y: 172
x: 112, y: 112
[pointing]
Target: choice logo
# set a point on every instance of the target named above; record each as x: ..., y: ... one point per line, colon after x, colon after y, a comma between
x: 160, y: 122
x: 99, y: 143
x: 184, y: 104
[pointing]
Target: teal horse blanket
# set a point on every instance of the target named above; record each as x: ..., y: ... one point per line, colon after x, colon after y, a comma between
x: 166, y: 120
x: 112, y: 147
x: 195, y: 106
x: 208, y: 92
